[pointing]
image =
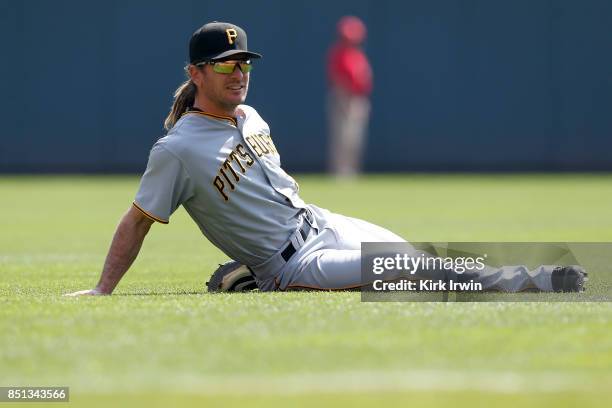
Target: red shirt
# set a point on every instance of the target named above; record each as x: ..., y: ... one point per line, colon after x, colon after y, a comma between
x: 348, y: 68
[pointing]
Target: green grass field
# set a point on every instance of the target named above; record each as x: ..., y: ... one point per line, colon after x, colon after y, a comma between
x: 162, y: 341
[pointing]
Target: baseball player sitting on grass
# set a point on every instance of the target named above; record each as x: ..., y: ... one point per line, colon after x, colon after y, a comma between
x: 219, y: 161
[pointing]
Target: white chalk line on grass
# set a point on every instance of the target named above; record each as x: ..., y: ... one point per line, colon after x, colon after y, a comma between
x: 362, y: 382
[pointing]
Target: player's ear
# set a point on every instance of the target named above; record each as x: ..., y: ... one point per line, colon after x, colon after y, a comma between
x: 196, y: 74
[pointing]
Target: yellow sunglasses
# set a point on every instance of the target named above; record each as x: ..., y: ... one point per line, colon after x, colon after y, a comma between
x: 228, y: 67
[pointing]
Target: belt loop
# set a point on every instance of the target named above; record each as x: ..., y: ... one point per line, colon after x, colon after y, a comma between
x: 309, y: 217
x: 296, y: 238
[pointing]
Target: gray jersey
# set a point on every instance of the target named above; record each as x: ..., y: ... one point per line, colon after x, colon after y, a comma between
x: 227, y: 174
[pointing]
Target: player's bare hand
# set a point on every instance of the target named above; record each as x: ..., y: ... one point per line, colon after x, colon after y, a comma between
x: 87, y: 292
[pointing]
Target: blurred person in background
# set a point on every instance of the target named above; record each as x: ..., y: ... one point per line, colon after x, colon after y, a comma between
x: 350, y: 84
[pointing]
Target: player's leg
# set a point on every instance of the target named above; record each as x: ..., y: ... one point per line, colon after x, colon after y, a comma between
x: 351, y: 232
x: 357, y: 123
x: 327, y: 269
x: 335, y: 124
x: 545, y: 278
x: 340, y: 269
x: 331, y: 260
x: 340, y: 132
x: 515, y: 278
x: 334, y: 262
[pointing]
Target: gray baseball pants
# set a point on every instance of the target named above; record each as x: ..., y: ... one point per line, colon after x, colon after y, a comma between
x: 330, y: 259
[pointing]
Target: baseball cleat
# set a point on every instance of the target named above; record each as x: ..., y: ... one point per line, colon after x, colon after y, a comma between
x: 569, y: 278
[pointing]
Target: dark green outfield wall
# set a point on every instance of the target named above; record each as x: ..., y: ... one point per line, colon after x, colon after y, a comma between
x: 459, y: 85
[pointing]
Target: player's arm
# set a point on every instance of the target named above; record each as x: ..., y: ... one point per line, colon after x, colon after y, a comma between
x: 124, y: 248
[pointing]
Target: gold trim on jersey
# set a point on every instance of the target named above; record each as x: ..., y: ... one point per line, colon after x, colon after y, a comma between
x: 148, y: 215
x: 212, y: 115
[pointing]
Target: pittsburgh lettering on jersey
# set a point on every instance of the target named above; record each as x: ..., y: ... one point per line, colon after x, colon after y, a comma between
x: 227, y: 175
x: 261, y: 144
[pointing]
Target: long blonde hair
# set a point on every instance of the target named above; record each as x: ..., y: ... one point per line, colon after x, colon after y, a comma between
x: 184, y: 97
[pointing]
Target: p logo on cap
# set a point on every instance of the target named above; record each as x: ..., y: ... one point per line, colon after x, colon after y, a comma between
x: 231, y: 35
x: 216, y: 41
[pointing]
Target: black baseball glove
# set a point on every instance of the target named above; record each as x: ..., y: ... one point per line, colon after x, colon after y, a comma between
x: 232, y: 276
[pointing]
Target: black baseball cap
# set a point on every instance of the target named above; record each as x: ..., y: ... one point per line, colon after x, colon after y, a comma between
x: 216, y: 41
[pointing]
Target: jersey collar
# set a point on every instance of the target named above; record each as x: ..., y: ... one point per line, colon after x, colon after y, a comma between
x: 212, y: 115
